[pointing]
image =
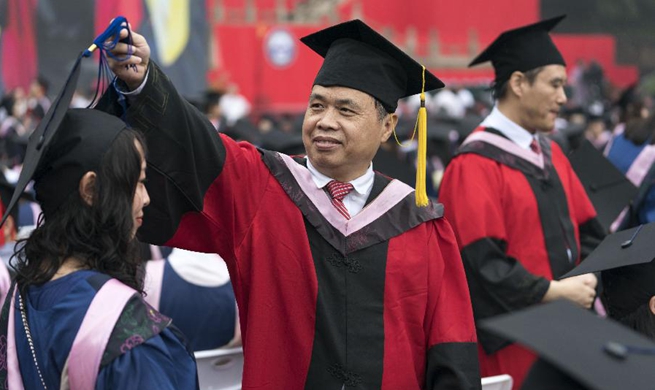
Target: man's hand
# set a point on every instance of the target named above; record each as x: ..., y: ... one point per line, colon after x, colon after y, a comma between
x: 579, y: 289
x: 133, y: 69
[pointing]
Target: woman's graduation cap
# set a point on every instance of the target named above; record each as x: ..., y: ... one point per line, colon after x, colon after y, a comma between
x: 598, y: 353
x: 67, y: 143
x: 628, y: 271
x: 357, y: 57
x: 522, y: 49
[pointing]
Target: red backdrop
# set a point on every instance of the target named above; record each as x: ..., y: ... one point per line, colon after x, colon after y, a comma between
x: 241, y: 56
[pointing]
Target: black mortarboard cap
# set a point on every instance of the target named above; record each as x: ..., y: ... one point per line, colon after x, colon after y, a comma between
x: 545, y: 376
x: 522, y: 49
x: 608, y: 189
x: 358, y: 57
x: 67, y: 143
x: 620, y: 249
x: 628, y: 271
x: 598, y: 353
x: 77, y: 146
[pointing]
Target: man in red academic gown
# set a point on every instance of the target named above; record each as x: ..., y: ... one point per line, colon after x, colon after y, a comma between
x: 358, y: 289
x: 520, y: 214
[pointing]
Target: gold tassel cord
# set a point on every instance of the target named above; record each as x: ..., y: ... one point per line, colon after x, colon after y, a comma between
x: 421, y: 156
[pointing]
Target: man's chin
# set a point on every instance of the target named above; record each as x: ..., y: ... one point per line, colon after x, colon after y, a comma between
x: 546, y: 128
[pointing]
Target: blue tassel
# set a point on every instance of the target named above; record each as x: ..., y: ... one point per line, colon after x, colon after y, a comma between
x: 105, y: 43
x: 108, y: 39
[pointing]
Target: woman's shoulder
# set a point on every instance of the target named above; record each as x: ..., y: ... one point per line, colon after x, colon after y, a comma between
x: 137, y: 323
x: 146, y: 351
x: 163, y: 362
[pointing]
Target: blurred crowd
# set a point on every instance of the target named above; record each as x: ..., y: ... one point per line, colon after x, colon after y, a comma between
x: 595, y: 110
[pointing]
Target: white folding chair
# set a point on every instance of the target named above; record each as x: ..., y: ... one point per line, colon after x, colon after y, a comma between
x: 220, y: 369
x: 498, y: 382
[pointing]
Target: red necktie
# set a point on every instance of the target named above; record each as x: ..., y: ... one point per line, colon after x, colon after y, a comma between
x: 338, y: 190
x: 534, y: 146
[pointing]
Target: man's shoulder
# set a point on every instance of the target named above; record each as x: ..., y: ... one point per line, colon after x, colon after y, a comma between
x: 469, y: 159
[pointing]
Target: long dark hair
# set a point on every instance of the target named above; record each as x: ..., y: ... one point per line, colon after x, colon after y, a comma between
x: 99, y: 235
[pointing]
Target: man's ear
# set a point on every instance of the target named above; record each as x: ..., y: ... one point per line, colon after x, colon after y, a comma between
x: 515, y: 83
x: 88, y: 187
x: 389, y: 123
x: 651, y: 304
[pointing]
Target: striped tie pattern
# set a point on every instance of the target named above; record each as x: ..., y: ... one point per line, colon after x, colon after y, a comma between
x: 338, y: 190
x: 534, y: 146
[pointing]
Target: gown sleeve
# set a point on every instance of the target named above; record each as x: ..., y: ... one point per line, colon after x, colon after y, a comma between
x: 452, y: 357
x: 202, y: 184
x: 498, y: 282
x: 160, y: 363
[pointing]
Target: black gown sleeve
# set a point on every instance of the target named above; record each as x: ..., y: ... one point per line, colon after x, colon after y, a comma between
x: 184, y: 152
x: 499, y: 284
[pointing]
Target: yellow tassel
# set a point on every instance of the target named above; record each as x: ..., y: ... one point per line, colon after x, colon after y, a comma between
x: 422, y: 124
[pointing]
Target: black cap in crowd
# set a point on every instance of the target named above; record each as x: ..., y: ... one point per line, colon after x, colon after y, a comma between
x: 607, y: 187
x: 522, y: 49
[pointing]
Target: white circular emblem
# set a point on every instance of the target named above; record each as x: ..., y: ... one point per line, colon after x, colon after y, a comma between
x: 280, y: 47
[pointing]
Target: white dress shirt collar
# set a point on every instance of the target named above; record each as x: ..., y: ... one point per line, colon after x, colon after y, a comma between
x: 510, y: 129
x: 362, y: 185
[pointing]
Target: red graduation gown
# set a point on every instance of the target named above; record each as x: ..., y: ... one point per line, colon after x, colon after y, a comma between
x: 379, y: 301
x: 515, y: 221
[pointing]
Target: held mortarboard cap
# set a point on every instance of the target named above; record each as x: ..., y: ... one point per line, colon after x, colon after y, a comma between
x: 358, y: 57
x: 628, y: 271
x: 598, y: 353
x: 522, y: 49
x: 608, y: 189
x: 68, y: 143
